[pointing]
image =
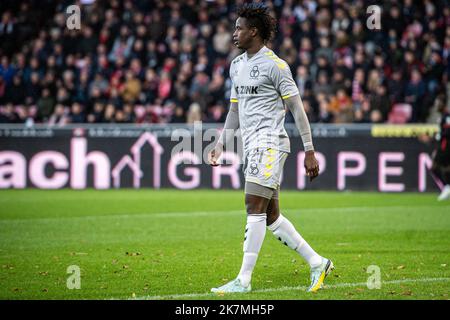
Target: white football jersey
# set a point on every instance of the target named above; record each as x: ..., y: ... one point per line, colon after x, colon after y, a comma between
x: 259, y: 85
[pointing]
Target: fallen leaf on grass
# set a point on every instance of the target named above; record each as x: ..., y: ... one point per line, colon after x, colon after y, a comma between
x: 78, y: 253
x: 349, y: 294
x: 400, y: 267
x: 407, y: 293
x: 133, y: 254
x: 43, y: 273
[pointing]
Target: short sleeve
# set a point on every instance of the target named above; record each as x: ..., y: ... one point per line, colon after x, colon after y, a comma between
x: 233, y: 95
x: 282, y: 79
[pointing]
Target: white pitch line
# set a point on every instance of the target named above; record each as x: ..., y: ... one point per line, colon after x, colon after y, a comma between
x: 280, y: 289
x: 206, y: 213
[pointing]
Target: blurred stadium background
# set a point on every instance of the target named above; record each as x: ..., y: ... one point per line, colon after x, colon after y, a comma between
x: 96, y: 107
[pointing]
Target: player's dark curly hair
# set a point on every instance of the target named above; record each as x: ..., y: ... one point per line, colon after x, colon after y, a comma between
x: 258, y: 16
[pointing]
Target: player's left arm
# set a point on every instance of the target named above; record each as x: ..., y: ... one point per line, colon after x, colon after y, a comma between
x: 286, y: 87
x: 295, y: 105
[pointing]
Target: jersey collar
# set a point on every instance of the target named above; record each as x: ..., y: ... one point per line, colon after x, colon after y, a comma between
x: 263, y: 49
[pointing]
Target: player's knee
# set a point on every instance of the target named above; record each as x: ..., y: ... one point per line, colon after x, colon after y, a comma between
x: 273, y: 212
x: 255, y: 204
x: 272, y: 217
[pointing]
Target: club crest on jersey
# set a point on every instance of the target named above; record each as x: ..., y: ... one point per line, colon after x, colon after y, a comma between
x: 254, y: 73
x: 253, y: 169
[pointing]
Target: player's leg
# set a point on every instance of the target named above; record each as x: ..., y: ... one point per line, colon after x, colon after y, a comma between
x: 445, y: 193
x: 256, y: 201
x: 441, y: 174
x: 257, y: 198
x: 286, y: 233
x: 437, y: 174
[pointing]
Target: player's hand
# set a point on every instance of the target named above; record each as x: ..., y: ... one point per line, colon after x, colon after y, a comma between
x: 214, y: 155
x: 311, y: 165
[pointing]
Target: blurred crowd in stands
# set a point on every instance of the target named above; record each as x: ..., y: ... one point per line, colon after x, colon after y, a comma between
x: 137, y: 61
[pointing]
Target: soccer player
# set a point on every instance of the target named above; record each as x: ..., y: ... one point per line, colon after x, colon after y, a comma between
x: 441, y: 155
x: 262, y: 87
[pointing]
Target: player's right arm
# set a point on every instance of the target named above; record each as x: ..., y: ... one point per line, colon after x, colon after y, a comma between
x: 230, y: 126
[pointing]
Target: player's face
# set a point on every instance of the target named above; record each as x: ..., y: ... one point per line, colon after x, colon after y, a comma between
x: 243, y: 36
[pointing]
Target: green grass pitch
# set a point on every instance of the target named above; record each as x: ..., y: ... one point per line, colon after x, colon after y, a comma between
x: 169, y: 244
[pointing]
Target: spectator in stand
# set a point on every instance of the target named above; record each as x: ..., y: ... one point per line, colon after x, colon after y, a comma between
x: 77, y: 114
x: 6, y: 70
x: 9, y: 115
x: 341, y: 107
x: 60, y: 116
x: 178, y: 116
x: 109, y: 115
x: 132, y: 87
x: 325, y: 115
x: 194, y: 113
x: 414, y: 94
x: 96, y: 116
x: 45, y: 104
x: 362, y: 115
x: 380, y: 102
x: 16, y: 91
x: 222, y: 39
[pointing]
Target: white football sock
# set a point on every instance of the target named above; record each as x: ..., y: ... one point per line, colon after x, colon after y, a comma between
x: 283, y: 229
x: 255, y: 232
